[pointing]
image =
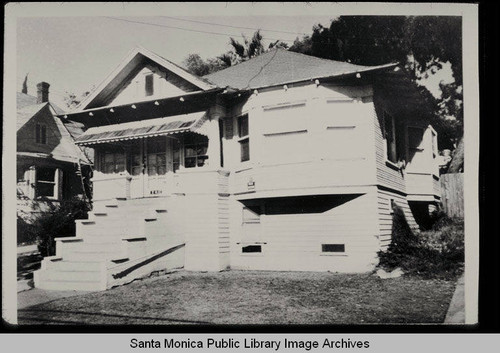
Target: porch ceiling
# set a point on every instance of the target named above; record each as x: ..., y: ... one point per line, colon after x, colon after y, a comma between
x: 142, y: 129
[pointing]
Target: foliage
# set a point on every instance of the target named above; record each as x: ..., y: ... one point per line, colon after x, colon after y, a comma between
x: 25, y: 232
x: 59, y: 223
x: 437, y: 253
x: 239, y: 52
x: 72, y: 100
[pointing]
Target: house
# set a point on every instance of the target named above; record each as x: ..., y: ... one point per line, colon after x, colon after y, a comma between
x: 283, y: 162
x: 50, y: 167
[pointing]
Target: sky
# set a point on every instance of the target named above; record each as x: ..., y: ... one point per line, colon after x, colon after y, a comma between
x: 74, y: 49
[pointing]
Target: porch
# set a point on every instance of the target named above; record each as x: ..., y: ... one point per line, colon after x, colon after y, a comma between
x: 155, y: 158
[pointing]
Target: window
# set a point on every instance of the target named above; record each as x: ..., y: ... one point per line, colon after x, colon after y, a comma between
x: 41, y: 134
x: 390, y: 137
x: 149, y: 85
x: 112, y: 162
x: 157, y: 156
x: 434, y: 144
x: 135, y: 160
x: 176, y: 147
x: 243, y: 138
x: 251, y: 249
x: 195, y: 151
x: 337, y: 248
x: 47, y: 182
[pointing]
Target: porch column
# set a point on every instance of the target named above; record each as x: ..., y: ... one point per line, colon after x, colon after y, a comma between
x: 214, y: 145
x: 32, y: 183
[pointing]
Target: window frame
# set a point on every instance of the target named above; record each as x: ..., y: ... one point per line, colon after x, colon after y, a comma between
x: 41, y: 134
x: 334, y: 253
x: 102, y: 162
x: 55, y: 184
x: 149, y: 80
x: 195, y: 145
x: 243, y: 139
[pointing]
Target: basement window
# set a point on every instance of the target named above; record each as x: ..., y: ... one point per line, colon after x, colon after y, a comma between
x: 333, y: 248
x: 251, y: 249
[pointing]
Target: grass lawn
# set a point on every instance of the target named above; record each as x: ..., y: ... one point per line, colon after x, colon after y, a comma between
x: 254, y: 297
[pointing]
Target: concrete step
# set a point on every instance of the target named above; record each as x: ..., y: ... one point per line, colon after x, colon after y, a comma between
x: 73, y: 276
x: 92, y: 256
x: 77, y: 266
x: 70, y: 285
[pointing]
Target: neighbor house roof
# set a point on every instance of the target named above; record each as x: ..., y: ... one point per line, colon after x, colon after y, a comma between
x: 279, y: 66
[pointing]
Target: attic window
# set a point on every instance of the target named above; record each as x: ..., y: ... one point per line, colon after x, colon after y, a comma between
x: 149, y: 85
x: 41, y: 134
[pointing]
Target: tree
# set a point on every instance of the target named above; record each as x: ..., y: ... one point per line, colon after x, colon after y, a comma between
x: 197, y: 66
x: 239, y: 52
x: 72, y: 100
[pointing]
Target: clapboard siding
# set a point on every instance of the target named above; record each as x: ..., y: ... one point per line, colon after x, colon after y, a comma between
x: 293, y: 241
x: 385, y: 215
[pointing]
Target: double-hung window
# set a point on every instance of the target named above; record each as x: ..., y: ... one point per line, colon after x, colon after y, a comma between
x: 112, y: 162
x: 195, y: 151
x: 41, y: 134
x: 243, y: 137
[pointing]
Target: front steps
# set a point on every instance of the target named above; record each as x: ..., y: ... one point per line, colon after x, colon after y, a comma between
x: 121, y: 241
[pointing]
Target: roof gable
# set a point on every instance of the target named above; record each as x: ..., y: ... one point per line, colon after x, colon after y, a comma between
x: 279, y: 66
x: 130, y: 67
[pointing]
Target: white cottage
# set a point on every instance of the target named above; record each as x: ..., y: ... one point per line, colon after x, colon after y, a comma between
x: 282, y: 162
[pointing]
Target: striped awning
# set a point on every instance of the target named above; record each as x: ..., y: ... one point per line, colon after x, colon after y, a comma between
x: 142, y: 129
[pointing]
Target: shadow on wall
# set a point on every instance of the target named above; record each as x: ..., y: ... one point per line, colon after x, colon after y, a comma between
x: 298, y: 204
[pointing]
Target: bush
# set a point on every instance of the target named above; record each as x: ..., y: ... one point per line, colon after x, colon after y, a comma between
x: 437, y: 253
x: 59, y: 223
x: 26, y: 233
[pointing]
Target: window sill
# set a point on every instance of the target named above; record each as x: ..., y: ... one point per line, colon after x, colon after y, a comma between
x: 334, y: 254
x: 391, y: 165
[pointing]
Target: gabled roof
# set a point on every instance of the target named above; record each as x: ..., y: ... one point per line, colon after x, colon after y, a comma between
x: 66, y: 150
x: 130, y: 66
x: 23, y: 100
x: 279, y: 67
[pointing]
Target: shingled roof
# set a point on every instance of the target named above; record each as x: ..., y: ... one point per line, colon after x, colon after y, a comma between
x: 279, y: 66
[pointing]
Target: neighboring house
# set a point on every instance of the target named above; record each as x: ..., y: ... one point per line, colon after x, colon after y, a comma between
x: 282, y: 162
x: 50, y: 167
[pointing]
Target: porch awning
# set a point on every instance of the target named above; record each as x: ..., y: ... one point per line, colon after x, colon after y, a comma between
x: 143, y: 129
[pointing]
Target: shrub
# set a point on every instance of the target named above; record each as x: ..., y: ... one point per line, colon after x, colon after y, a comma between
x: 437, y: 253
x: 26, y: 233
x: 59, y: 223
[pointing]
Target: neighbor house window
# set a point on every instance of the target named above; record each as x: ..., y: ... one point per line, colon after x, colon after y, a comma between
x: 149, y: 85
x: 47, y: 182
x: 41, y: 134
x: 112, y: 162
x: 243, y: 137
x: 390, y: 137
x: 333, y: 248
x: 195, y: 151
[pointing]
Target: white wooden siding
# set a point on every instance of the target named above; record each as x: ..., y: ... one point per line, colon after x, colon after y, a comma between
x: 293, y: 241
x: 384, y: 212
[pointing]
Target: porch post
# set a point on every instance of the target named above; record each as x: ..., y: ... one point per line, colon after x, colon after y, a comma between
x: 214, y: 145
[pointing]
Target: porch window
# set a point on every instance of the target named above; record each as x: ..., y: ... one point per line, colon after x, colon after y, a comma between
x: 244, y: 139
x: 176, y: 155
x: 113, y: 162
x: 195, y: 151
x: 136, y: 160
x: 41, y: 134
x: 157, y: 156
x: 390, y: 137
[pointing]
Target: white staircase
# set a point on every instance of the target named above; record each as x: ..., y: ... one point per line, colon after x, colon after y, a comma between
x: 122, y: 240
